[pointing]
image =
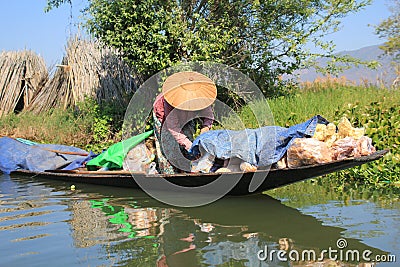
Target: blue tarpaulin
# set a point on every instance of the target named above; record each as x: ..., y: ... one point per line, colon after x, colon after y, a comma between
x: 16, y: 155
x: 260, y: 147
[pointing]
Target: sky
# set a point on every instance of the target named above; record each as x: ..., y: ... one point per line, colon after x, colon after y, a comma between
x: 25, y: 25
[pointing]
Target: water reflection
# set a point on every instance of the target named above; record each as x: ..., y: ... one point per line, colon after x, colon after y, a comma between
x: 370, y: 214
x: 128, y: 228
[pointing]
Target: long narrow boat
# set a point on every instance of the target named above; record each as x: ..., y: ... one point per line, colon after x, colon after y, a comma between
x: 273, y: 178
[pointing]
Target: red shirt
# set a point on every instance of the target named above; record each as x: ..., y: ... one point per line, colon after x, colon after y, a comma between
x: 174, y: 119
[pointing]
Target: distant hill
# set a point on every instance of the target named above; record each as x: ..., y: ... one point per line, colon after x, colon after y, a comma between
x: 385, y: 72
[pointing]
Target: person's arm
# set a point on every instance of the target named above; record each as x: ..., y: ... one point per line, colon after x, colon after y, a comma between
x: 173, y: 125
x: 158, y: 107
x: 208, y: 119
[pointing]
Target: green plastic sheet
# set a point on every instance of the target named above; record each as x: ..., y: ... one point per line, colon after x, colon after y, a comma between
x: 114, y: 156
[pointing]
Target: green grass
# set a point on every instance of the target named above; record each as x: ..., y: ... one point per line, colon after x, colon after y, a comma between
x: 94, y: 128
x: 329, y: 103
x: 88, y: 126
x: 56, y: 127
x: 375, y: 109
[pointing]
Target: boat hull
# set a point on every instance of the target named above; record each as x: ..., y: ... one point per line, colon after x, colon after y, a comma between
x: 271, y: 179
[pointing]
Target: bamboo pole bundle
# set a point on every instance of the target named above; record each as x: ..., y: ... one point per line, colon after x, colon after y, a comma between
x: 53, y: 91
x: 88, y: 69
x: 22, y: 75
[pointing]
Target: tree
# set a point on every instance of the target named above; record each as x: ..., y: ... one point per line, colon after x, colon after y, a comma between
x: 390, y: 30
x: 264, y: 39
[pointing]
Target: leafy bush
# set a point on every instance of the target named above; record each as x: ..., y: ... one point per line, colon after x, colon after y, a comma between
x: 88, y: 126
x: 382, y: 123
x: 367, y: 107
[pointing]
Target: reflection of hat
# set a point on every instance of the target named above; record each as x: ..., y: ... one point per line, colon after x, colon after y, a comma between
x: 189, y: 90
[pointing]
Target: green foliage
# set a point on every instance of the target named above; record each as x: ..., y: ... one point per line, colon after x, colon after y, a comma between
x: 382, y: 123
x: 367, y: 107
x: 55, y: 3
x: 55, y: 126
x: 390, y: 30
x: 322, y: 191
x: 253, y: 115
x: 88, y: 126
x: 263, y: 39
x: 99, y: 124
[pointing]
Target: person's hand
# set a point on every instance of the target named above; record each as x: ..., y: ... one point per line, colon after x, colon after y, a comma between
x: 193, y: 153
x: 191, y: 156
x: 204, y: 129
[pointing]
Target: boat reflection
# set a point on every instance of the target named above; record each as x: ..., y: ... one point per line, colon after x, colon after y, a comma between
x: 139, y: 231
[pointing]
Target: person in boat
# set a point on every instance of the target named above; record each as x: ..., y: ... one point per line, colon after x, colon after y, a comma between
x: 186, y: 98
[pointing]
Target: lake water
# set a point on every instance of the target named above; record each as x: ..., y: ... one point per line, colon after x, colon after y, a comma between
x: 45, y: 223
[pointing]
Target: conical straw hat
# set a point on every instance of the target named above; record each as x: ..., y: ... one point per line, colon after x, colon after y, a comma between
x: 189, y: 90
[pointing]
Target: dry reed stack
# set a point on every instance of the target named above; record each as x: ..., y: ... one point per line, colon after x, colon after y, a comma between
x: 88, y: 69
x: 22, y: 75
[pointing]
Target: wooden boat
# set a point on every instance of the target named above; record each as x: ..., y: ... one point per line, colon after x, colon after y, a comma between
x: 273, y: 178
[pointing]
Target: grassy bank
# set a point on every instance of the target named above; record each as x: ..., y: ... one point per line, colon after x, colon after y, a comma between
x: 92, y: 127
x: 375, y: 109
x: 88, y: 126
